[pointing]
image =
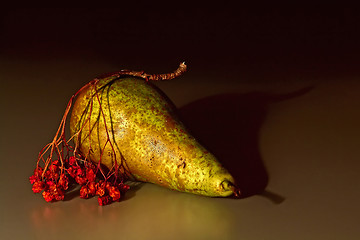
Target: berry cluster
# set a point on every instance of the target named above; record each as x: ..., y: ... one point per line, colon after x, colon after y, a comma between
x: 54, y: 181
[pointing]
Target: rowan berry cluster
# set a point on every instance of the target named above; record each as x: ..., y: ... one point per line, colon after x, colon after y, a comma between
x: 54, y: 181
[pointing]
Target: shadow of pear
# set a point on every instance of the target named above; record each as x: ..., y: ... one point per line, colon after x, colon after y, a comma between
x: 228, y: 125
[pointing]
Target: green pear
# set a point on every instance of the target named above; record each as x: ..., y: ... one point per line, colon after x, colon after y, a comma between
x: 128, y: 122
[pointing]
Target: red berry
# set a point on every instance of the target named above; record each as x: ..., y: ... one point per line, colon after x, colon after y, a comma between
x: 58, y: 193
x: 84, y: 192
x: 92, y: 188
x: 72, y: 160
x: 60, y: 196
x: 50, y: 183
x: 108, y: 185
x: 47, y: 196
x: 114, y: 193
x: 80, y: 180
x: 38, y: 186
x: 79, y: 171
x: 64, y: 181
x: 33, y: 179
x: 104, y: 200
x: 90, y: 175
x: 100, y: 188
x: 72, y: 171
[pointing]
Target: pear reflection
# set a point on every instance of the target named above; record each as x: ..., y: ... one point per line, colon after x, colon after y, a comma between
x: 155, y: 212
x: 188, y: 215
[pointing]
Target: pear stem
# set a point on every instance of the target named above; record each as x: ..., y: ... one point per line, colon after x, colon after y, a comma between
x: 150, y: 77
x: 237, y: 192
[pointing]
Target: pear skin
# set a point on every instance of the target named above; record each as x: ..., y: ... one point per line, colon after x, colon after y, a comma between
x: 128, y: 122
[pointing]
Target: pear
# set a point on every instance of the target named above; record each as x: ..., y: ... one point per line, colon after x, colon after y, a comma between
x: 127, y: 122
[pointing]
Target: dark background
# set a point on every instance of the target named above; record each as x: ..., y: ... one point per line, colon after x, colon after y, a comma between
x: 232, y: 40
